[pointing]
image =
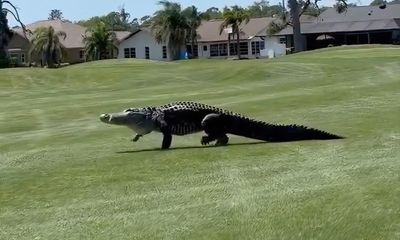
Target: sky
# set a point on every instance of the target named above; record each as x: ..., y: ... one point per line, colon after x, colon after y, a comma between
x: 74, y: 10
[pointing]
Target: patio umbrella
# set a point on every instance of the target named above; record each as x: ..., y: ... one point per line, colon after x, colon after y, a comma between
x: 324, y: 37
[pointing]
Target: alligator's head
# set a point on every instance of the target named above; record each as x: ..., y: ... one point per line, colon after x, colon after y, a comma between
x: 139, y: 121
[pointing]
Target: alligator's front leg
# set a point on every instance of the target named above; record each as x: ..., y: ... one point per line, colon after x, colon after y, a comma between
x: 167, y: 136
x: 136, y: 138
x: 167, y: 139
x: 214, y: 126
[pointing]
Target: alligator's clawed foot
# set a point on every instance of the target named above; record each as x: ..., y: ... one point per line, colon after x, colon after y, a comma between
x: 205, y: 140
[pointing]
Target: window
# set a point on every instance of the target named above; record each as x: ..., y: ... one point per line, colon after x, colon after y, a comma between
x: 244, y: 48
x: 218, y: 50
x: 282, y: 40
x: 232, y: 49
x: 129, y: 52
x: 223, y: 49
x: 195, y: 52
x: 164, y: 52
x: 147, y: 50
x: 81, y: 54
x: 132, y: 52
x: 14, y: 58
x: 214, y: 50
x: 22, y: 57
x: 205, y: 48
x: 126, y: 52
x: 256, y: 47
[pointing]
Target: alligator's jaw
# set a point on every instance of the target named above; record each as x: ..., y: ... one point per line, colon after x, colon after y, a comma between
x: 105, y: 118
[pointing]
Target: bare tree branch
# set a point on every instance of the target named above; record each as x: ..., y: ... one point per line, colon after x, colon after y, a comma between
x: 16, y: 15
x: 305, y: 6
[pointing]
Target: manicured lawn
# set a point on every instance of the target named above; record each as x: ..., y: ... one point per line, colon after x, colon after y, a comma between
x: 66, y: 175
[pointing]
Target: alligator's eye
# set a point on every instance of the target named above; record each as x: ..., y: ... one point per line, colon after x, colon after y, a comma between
x: 128, y: 110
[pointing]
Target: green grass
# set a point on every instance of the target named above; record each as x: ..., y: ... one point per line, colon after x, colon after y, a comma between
x: 65, y: 175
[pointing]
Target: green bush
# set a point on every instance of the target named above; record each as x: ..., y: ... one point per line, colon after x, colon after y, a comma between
x: 4, y: 61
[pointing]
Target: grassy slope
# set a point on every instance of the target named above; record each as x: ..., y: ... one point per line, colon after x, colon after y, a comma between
x: 64, y: 175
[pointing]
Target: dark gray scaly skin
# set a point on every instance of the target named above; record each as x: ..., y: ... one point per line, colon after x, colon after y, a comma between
x: 182, y: 118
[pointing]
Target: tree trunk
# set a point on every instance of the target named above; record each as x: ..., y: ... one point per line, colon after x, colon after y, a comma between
x: 297, y: 37
x: 3, y: 38
x: 192, y: 50
x: 229, y: 45
x: 3, y: 57
x: 238, y: 43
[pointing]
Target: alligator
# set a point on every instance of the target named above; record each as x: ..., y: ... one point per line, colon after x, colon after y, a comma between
x: 182, y: 118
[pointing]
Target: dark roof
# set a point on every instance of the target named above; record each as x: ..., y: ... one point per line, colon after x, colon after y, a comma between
x: 362, y: 13
x: 131, y: 34
x: 209, y: 30
x: 355, y: 26
x: 364, y: 18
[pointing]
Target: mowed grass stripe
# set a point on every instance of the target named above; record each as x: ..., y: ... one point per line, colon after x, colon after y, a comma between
x: 65, y: 175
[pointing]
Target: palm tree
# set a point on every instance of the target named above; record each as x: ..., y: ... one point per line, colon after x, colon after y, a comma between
x: 5, y: 32
x: 193, y: 18
x: 234, y: 17
x: 170, y: 26
x: 55, y: 14
x: 46, y: 46
x: 100, y: 42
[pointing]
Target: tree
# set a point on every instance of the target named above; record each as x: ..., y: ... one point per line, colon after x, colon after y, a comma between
x: 6, y: 7
x: 314, y: 10
x: 145, y: 21
x: 55, y: 14
x: 212, y: 13
x: 234, y: 17
x: 126, y: 24
x: 377, y: 2
x: 46, y: 46
x: 170, y: 26
x: 115, y: 21
x: 193, y: 19
x: 124, y: 15
x: 297, y: 9
x: 99, y: 42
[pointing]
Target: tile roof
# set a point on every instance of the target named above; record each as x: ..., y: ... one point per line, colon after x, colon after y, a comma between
x: 122, y: 35
x: 74, y: 32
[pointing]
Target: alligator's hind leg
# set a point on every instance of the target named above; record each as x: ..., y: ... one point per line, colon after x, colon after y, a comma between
x: 214, y: 127
x: 222, y: 141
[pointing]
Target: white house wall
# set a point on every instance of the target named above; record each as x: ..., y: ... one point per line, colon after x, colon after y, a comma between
x: 202, y: 52
x: 270, y: 43
x: 140, y: 41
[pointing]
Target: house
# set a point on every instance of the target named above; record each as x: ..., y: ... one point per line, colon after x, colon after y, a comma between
x: 19, y: 45
x: 254, y: 41
x: 357, y: 25
x: 18, y: 48
x: 142, y: 44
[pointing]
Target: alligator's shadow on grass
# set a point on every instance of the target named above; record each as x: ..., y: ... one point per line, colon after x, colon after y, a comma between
x: 190, y: 147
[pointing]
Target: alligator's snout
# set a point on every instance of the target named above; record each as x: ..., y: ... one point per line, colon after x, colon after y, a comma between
x: 105, y: 117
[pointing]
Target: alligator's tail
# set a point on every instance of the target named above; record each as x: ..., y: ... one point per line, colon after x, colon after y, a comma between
x: 276, y: 133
